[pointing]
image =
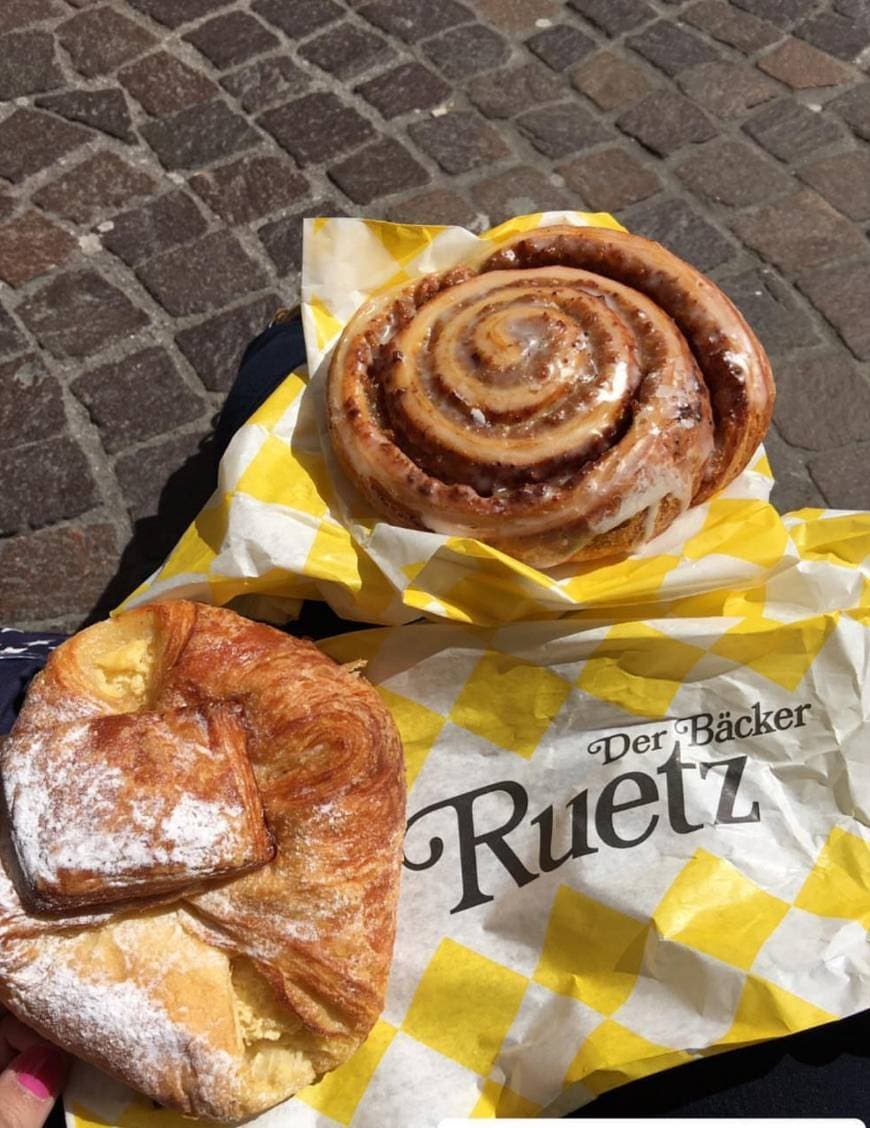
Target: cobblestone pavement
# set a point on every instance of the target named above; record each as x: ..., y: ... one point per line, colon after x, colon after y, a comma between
x: 156, y: 158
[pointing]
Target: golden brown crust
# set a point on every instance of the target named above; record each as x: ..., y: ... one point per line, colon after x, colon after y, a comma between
x: 564, y: 398
x: 230, y: 997
x: 131, y: 805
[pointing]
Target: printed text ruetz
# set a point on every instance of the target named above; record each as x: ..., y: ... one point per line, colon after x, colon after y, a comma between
x: 594, y: 820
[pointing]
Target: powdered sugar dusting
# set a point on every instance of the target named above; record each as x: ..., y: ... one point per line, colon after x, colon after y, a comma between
x: 154, y: 996
x: 124, y: 1020
x: 77, y: 811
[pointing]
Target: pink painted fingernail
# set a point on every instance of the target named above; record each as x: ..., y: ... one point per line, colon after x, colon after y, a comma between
x: 41, y: 1070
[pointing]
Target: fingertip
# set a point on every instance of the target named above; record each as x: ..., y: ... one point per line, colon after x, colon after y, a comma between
x: 41, y: 1071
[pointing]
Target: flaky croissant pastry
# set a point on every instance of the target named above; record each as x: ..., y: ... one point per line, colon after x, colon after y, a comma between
x: 212, y: 812
x: 564, y: 399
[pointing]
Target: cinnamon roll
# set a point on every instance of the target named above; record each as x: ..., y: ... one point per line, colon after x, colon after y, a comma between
x: 563, y: 399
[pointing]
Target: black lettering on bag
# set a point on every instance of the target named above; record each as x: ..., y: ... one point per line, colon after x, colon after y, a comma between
x: 607, y: 807
x: 728, y: 794
x: 471, y: 838
x: 672, y: 769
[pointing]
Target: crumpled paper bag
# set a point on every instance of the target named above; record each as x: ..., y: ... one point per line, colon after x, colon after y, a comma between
x: 284, y: 525
x: 630, y: 845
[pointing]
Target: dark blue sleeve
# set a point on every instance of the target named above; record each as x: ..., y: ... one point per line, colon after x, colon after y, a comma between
x: 21, y: 656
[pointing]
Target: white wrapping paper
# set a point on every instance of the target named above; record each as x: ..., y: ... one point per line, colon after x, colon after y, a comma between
x: 638, y: 835
x: 629, y: 846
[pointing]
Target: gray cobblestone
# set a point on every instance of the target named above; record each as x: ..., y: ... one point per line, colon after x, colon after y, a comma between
x: 729, y: 25
x: 136, y: 398
x: 614, y: 16
x: 772, y: 310
x: 854, y: 108
x: 31, y: 140
x: 282, y: 238
x: 666, y: 121
x: 789, y: 130
x: 459, y: 141
x: 671, y: 47
x: 203, y: 275
x: 215, y: 346
x: 43, y: 484
x: 844, y: 181
x: 163, y: 84
x: 782, y: 12
x: 726, y: 89
x: 463, y: 52
x: 317, y: 127
x: 27, y: 64
x: 79, y: 313
x: 411, y: 20
x: 611, y: 81
x: 841, y: 475
x: 155, y: 227
x: 802, y: 67
x: 799, y: 232
x: 105, y: 110
x: 31, y: 401
x: 232, y: 38
x: 265, y: 81
x: 31, y: 245
x: 683, y: 230
x: 250, y: 188
x: 100, y: 39
x: 517, y: 191
x: 346, y: 51
x: 300, y: 18
x: 838, y: 35
x: 199, y: 135
x: 439, y: 205
x: 841, y: 292
x: 561, y: 45
x: 733, y: 173
x: 562, y: 129
x: 610, y: 179
x: 379, y: 169
x: 406, y: 87
x: 100, y: 185
x: 809, y: 397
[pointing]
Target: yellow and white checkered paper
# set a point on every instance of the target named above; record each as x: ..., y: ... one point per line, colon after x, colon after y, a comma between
x: 630, y: 845
x: 285, y: 525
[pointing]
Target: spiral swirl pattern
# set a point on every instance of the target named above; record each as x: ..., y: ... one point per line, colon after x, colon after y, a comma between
x: 564, y: 399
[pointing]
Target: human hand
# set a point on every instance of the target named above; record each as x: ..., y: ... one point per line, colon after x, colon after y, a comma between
x: 33, y: 1073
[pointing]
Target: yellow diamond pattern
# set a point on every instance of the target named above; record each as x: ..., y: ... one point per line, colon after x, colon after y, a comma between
x: 591, y: 951
x: 339, y: 1092
x: 418, y: 727
x: 750, y: 530
x: 839, y: 883
x: 613, y: 1055
x: 200, y: 543
x: 837, y: 540
x: 464, y: 1006
x: 510, y: 702
x: 498, y: 1102
x: 781, y: 652
x: 638, y: 668
x: 713, y: 907
x: 296, y: 479
x: 768, y: 1011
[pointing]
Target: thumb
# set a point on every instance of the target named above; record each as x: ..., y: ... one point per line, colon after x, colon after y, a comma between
x: 30, y: 1084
